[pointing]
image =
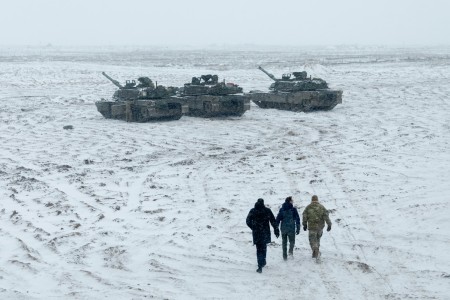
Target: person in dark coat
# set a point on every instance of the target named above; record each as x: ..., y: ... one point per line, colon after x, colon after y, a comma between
x: 259, y: 220
x: 290, y: 225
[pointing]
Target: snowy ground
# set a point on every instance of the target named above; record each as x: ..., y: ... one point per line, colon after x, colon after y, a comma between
x: 130, y: 211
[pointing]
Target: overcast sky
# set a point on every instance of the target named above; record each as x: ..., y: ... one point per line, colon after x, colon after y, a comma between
x: 202, y: 22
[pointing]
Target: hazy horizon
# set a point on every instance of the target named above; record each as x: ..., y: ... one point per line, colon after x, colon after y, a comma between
x: 200, y: 23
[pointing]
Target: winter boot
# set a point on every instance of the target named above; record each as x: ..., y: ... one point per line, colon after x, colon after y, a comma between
x: 291, y: 249
x: 259, y: 270
x: 315, y: 253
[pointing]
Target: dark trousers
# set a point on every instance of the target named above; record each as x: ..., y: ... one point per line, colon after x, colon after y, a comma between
x: 261, y: 251
x: 285, y: 237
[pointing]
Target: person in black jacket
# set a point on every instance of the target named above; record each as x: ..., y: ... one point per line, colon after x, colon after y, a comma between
x: 290, y: 225
x: 258, y: 220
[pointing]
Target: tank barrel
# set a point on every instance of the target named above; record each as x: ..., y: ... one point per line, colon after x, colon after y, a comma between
x: 115, y: 82
x: 268, y: 74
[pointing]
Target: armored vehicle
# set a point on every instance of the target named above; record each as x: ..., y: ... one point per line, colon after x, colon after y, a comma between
x: 299, y: 93
x: 207, y: 97
x: 142, y: 102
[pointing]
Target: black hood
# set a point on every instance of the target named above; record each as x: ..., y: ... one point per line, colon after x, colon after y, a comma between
x: 259, y: 204
x: 287, y: 205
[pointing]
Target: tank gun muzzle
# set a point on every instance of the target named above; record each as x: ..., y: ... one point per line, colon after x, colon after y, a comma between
x: 115, y: 82
x: 268, y: 74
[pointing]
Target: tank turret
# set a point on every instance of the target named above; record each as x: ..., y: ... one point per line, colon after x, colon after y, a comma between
x: 210, y: 85
x: 300, y: 82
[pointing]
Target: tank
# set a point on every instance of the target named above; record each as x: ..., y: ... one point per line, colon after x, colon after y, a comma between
x: 207, y: 97
x: 142, y: 102
x: 297, y: 92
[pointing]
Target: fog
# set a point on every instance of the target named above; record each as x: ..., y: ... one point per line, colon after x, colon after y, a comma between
x: 201, y: 22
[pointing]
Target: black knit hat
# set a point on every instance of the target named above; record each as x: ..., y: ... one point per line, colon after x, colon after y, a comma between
x: 259, y: 204
x: 288, y: 199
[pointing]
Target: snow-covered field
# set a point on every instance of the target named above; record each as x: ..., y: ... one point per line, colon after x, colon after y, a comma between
x: 122, y: 210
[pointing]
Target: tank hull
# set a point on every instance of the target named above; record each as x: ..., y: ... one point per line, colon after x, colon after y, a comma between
x: 305, y: 101
x: 142, y: 110
x: 209, y: 106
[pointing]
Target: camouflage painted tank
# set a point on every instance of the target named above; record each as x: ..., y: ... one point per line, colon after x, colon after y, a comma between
x: 299, y: 93
x: 207, y: 97
x: 142, y: 102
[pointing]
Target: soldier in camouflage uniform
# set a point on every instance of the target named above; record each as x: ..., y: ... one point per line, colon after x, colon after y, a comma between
x: 314, y: 217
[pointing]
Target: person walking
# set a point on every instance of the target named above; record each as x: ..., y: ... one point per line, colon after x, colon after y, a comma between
x: 290, y: 225
x: 314, y: 217
x: 259, y: 220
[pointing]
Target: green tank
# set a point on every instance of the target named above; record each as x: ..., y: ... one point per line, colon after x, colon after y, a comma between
x: 142, y: 102
x: 207, y: 97
x: 297, y: 92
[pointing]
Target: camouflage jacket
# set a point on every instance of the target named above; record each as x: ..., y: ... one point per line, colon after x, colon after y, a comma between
x: 315, y: 215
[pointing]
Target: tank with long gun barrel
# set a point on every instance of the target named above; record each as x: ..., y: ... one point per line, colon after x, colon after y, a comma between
x: 297, y: 93
x: 142, y: 103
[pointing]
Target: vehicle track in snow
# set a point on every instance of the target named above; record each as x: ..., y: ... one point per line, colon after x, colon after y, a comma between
x: 342, y: 197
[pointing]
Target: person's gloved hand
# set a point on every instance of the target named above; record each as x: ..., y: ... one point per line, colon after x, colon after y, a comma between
x: 298, y: 230
x: 277, y: 232
x: 329, y: 228
x: 305, y: 227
